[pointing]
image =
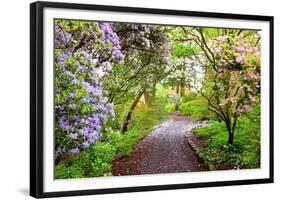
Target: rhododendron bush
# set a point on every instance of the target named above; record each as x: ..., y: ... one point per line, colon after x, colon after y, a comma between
x: 84, y: 55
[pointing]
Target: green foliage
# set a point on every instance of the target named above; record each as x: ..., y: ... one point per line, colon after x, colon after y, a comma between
x: 101, y: 157
x: 181, y: 50
x: 188, y: 97
x: 142, y: 122
x: 95, y: 161
x: 210, y: 32
x: 125, y: 143
x: 170, y: 107
x: 197, y: 108
x: 245, y: 152
x: 120, y: 112
x: 143, y: 117
x: 209, y: 131
x: 65, y: 172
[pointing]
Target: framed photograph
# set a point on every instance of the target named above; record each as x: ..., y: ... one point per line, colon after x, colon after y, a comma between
x: 126, y: 99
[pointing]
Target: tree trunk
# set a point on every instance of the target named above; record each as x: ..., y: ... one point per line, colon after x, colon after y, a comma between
x: 154, y: 92
x: 177, y: 87
x: 129, y: 115
x: 189, y: 86
x: 148, y: 98
x: 177, y: 107
x: 230, y: 132
x: 149, y: 95
x: 182, y: 90
x: 177, y: 92
x: 230, y: 137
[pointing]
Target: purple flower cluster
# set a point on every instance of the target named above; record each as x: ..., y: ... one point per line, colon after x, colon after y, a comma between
x: 109, y: 36
x: 62, y: 38
x: 83, y: 129
x: 81, y: 106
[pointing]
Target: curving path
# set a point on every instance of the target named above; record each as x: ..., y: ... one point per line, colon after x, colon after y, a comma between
x: 163, y: 151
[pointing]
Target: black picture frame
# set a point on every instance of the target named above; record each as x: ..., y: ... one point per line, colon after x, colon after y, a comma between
x: 36, y: 97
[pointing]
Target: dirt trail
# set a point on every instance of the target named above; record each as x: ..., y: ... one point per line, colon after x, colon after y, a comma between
x: 162, y: 151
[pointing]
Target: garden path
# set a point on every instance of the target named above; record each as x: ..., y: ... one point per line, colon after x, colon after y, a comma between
x: 163, y: 151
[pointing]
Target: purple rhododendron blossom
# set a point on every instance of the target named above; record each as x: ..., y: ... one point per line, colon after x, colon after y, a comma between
x: 74, y: 151
x: 73, y: 135
x: 85, y: 144
x: 81, y: 104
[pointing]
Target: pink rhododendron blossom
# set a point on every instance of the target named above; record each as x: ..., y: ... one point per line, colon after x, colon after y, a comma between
x: 240, y: 49
x: 251, y: 98
x: 244, y: 108
x: 239, y: 59
x: 249, y: 50
x: 221, y: 39
x: 250, y: 75
x: 218, y: 49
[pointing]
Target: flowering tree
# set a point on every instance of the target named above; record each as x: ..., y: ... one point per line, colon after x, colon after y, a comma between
x: 232, y: 74
x: 146, y: 48
x: 84, y: 54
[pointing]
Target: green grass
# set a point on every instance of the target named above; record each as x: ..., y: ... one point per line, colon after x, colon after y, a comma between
x: 209, y: 131
x: 197, y: 109
x: 245, y: 152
